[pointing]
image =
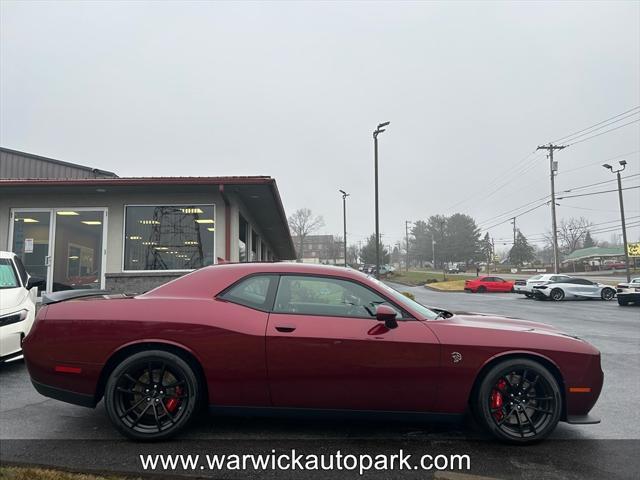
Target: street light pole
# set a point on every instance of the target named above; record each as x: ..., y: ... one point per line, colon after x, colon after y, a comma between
x: 433, y: 252
x: 377, y: 132
x: 623, y: 165
x: 344, y: 221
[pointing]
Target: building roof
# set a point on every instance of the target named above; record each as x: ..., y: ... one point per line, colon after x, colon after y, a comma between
x: 16, y: 164
x: 591, y: 252
x: 258, y: 193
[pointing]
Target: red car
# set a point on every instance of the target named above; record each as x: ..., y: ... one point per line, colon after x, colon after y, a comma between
x: 281, y: 337
x: 488, y: 284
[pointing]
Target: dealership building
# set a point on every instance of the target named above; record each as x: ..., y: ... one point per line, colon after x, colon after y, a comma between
x: 81, y: 227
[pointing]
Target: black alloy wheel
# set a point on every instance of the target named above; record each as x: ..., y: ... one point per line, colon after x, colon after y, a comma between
x: 557, y: 295
x: 519, y: 401
x: 152, y: 395
x: 608, y: 294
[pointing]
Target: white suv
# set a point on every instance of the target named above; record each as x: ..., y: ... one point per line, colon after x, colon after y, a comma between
x: 17, y: 305
x: 526, y: 288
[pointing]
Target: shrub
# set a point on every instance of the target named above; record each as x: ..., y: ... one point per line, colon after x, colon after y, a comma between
x: 409, y: 295
x: 431, y: 280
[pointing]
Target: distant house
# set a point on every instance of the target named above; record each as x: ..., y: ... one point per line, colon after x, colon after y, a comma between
x: 319, y: 249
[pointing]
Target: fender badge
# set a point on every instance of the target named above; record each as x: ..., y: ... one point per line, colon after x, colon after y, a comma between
x: 456, y: 357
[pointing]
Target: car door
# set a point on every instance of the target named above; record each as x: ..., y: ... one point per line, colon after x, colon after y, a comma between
x: 501, y: 285
x: 326, y: 350
x: 490, y: 284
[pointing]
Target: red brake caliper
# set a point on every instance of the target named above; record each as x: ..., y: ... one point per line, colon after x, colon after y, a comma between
x: 173, y: 402
x: 496, y: 399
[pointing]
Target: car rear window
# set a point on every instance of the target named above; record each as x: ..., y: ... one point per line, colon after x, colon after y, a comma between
x: 8, y: 275
x: 536, y: 277
x: 251, y: 292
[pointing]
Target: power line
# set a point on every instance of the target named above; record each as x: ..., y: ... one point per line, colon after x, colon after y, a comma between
x: 596, y: 193
x: 602, y: 133
x: 598, y: 183
x: 511, y: 218
x: 599, y: 123
x: 599, y: 162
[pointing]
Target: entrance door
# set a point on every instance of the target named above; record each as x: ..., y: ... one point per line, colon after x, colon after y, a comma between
x: 31, y: 241
x: 65, y: 246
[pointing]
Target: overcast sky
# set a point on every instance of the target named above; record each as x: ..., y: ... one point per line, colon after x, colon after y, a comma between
x: 294, y: 91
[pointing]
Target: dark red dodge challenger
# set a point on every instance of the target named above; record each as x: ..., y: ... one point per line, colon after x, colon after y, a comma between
x: 281, y: 337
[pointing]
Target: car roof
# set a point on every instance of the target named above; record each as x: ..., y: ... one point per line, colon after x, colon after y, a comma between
x: 288, y: 267
x: 7, y: 254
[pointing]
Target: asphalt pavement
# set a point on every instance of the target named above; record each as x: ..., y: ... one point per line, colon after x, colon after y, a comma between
x: 37, y: 430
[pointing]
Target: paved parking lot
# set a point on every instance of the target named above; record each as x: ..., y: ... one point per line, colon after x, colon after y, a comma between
x: 24, y: 414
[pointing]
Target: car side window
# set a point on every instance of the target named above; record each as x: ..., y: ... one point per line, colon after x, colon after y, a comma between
x: 558, y: 279
x: 253, y: 292
x: 8, y: 276
x: 326, y: 296
x: 489, y: 279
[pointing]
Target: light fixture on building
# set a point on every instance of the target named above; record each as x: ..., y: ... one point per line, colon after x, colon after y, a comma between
x: 191, y: 210
x: 92, y: 222
x: 67, y: 213
x: 204, y: 220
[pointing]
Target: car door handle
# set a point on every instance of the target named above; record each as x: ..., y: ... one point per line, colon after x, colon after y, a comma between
x: 285, y: 328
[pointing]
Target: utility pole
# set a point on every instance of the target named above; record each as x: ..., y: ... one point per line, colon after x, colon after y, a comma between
x: 514, y: 231
x: 623, y: 164
x: 380, y: 128
x: 433, y: 252
x: 553, y: 167
x: 344, y: 219
x: 406, y: 231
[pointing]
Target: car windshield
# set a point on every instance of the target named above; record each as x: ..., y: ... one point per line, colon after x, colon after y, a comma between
x: 536, y: 277
x: 405, y: 301
x: 8, y: 277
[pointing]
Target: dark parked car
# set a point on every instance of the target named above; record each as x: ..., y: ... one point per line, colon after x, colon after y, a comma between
x: 284, y: 337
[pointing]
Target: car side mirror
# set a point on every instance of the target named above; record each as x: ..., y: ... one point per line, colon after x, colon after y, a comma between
x: 386, y: 314
x: 35, y: 282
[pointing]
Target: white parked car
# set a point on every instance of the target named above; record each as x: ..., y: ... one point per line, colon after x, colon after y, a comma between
x: 629, y: 292
x: 574, y: 288
x: 526, y: 287
x: 17, y: 305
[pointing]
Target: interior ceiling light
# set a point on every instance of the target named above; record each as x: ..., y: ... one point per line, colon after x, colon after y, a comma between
x: 135, y: 237
x: 28, y: 220
x: 67, y: 213
x: 92, y: 222
x: 191, y: 210
x: 191, y: 242
x: 73, y: 257
x: 162, y: 248
x: 211, y: 229
x: 204, y: 220
x: 149, y: 222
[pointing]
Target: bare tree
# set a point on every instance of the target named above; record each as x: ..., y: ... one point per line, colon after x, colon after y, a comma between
x: 302, y: 223
x: 571, y: 232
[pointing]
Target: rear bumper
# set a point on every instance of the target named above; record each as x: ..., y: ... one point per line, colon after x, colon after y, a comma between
x: 630, y: 296
x: 65, y: 395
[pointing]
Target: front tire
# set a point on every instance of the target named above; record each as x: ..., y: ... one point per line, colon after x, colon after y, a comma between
x: 152, y: 395
x: 608, y: 294
x: 622, y: 302
x: 518, y: 401
x: 528, y: 295
x: 557, y: 295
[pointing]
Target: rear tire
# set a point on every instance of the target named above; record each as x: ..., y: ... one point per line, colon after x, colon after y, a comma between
x: 152, y: 395
x: 518, y: 401
x: 557, y: 294
x: 482, y: 289
x: 608, y: 294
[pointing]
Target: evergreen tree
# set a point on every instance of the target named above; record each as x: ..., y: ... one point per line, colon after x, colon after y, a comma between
x: 368, y: 252
x: 521, y: 252
x: 588, y: 241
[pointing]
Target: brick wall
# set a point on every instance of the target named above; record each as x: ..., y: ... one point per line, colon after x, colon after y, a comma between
x: 141, y: 282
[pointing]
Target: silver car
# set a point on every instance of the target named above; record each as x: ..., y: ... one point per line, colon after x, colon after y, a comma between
x: 526, y: 288
x: 574, y: 288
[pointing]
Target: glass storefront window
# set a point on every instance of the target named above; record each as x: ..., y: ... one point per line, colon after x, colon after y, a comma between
x: 180, y: 237
x: 242, y: 239
x: 254, y: 246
